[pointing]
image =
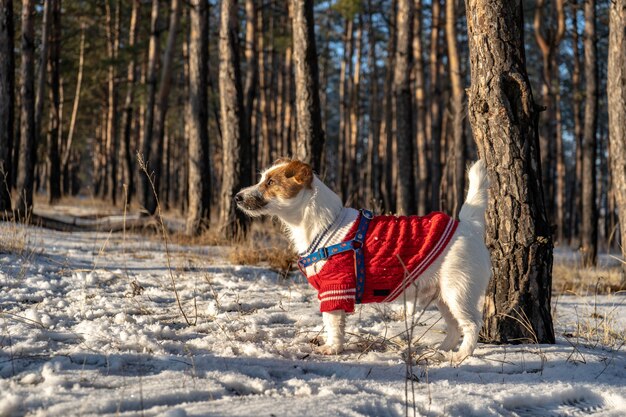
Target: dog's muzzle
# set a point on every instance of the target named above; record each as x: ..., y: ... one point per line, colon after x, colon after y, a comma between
x: 250, y: 200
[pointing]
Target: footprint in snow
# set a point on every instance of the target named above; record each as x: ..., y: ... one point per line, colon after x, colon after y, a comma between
x: 572, y: 403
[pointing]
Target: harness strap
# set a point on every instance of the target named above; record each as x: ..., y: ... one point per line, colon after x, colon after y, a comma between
x: 356, y: 245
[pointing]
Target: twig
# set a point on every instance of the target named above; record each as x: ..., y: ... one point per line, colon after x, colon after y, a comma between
x: 144, y: 168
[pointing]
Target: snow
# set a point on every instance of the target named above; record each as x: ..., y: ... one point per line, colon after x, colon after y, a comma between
x: 89, y: 325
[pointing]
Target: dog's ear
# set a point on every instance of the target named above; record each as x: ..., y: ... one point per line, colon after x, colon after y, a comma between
x: 282, y: 160
x: 299, y: 171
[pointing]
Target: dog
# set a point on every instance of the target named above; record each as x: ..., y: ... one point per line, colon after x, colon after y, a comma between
x: 451, y: 270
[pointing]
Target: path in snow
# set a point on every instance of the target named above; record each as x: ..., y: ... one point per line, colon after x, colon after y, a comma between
x: 90, y: 326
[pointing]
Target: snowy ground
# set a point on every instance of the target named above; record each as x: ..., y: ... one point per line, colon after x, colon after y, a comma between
x: 89, y: 325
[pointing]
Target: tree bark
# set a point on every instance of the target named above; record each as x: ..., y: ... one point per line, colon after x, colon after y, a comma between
x: 589, y: 231
x: 548, y: 39
x: 344, y: 100
x: 434, y: 118
x: 546, y: 131
x: 70, y: 135
x: 7, y: 101
x: 267, y: 144
x: 287, y: 115
x: 232, y: 120
x: 41, y: 74
x: 504, y: 122
x: 616, y: 91
x: 576, y: 183
x: 54, y: 160
x: 456, y: 101
x: 405, y: 203
x: 161, y: 105
x: 147, y: 199
x: 310, y: 135
x: 129, y: 106
x: 28, y: 134
x: 560, y: 189
x: 112, y: 34
x: 421, y: 138
x: 387, y: 130
x: 199, y: 181
x: 374, y: 177
x: 352, y: 166
x: 252, y: 68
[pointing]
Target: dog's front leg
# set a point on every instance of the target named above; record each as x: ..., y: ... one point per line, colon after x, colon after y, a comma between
x: 335, y: 325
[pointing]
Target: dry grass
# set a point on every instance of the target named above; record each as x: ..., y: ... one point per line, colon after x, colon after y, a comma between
x: 272, y: 250
x: 278, y: 258
x: 86, y: 203
x: 573, y: 279
x: 209, y: 237
x: 601, y: 329
x: 265, y: 244
x: 13, y: 237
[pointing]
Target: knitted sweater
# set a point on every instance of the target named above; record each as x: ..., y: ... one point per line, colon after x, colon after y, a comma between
x: 417, y: 241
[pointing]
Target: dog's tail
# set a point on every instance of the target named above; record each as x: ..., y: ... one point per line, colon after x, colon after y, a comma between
x: 473, y: 210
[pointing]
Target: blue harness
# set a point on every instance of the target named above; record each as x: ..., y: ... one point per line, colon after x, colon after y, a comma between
x: 355, y: 245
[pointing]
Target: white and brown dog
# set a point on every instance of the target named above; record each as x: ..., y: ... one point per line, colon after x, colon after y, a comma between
x: 427, y: 259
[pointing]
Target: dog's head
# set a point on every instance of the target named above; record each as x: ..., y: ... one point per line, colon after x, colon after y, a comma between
x: 282, y: 188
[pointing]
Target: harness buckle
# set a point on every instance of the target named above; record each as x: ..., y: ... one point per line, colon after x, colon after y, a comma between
x: 367, y: 214
x: 323, y: 253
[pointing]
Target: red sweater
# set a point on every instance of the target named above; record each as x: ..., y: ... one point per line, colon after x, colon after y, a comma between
x: 418, y: 241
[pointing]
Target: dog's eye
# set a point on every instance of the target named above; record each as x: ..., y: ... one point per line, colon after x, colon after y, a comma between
x: 269, y: 182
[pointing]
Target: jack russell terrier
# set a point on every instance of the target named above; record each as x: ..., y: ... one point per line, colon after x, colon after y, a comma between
x: 352, y: 257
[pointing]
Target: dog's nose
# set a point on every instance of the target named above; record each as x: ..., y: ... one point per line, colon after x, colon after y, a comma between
x: 238, y: 198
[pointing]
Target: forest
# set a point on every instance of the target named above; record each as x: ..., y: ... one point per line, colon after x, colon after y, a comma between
x: 131, y: 284
x: 194, y: 98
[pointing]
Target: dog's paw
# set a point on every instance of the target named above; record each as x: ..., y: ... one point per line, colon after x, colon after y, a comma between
x: 438, y: 356
x: 454, y: 358
x: 329, y: 350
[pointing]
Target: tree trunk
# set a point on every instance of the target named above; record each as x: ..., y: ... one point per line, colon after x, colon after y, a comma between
x: 54, y: 160
x: 7, y: 101
x: 589, y: 231
x: 28, y: 134
x: 353, y: 139
x: 456, y: 101
x: 373, y: 138
x: 422, y: 179
x: 344, y: 94
x: 287, y: 115
x: 546, y: 131
x: 199, y: 181
x: 129, y: 106
x: 504, y: 122
x: 112, y: 34
x: 387, y: 131
x: 252, y: 68
x: 147, y: 199
x: 310, y: 135
x: 161, y: 107
x: 616, y: 90
x: 286, y: 90
x: 232, y: 120
x: 576, y: 186
x: 283, y: 84
x: 560, y: 189
x: 548, y: 39
x: 405, y: 202
x: 41, y: 74
x: 70, y: 135
x: 264, y: 146
x: 434, y: 118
